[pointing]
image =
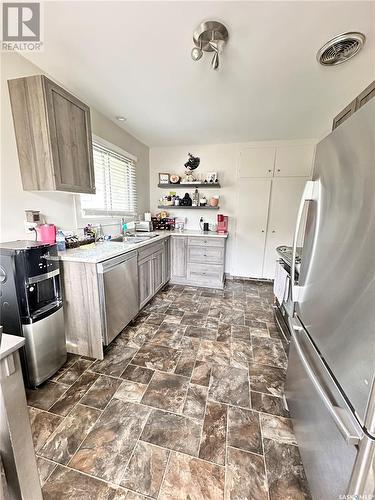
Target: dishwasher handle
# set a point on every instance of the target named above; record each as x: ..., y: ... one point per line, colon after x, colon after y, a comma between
x: 108, y: 265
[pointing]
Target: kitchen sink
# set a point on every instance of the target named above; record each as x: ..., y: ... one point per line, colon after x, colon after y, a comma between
x: 134, y: 238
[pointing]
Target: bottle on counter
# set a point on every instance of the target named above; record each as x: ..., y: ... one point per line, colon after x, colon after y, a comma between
x: 60, y: 240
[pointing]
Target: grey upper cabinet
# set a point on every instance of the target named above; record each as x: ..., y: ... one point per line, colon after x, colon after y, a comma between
x: 365, y: 96
x: 344, y: 114
x: 53, y: 134
x: 357, y: 103
x: 178, y: 257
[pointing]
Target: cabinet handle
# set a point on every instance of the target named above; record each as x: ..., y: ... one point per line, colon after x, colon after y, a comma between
x: 269, y: 170
x: 278, y: 170
x: 262, y: 230
x: 274, y: 231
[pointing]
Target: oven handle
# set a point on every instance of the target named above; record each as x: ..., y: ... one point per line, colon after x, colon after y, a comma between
x: 42, y: 277
x: 307, y: 195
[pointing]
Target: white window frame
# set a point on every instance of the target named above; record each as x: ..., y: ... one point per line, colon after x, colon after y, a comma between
x: 81, y: 219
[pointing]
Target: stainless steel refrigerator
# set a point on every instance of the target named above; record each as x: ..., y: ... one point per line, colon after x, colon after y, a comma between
x: 330, y: 379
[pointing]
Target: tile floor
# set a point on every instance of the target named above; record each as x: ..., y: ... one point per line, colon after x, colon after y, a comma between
x: 185, y: 405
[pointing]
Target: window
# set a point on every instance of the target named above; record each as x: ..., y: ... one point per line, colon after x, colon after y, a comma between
x: 114, y: 181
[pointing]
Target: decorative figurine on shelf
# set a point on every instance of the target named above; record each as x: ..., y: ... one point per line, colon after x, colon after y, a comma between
x: 186, y: 201
x: 192, y: 163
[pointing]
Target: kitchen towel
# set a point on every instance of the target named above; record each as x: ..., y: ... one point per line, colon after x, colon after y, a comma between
x: 281, y: 282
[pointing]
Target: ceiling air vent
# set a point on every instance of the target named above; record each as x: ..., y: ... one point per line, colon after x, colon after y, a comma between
x: 341, y: 48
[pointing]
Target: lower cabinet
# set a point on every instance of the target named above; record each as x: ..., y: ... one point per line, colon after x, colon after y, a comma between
x: 178, y: 257
x: 145, y: 281
x: 157, y: 270
x: 198, y: 261
x: 167, y: 260
x: 153, y: 270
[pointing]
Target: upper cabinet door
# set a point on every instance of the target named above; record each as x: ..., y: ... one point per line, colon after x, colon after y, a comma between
x: 294, y: 161
x: 70, y: 130
x: 257, y: 162
x: 53, y: 135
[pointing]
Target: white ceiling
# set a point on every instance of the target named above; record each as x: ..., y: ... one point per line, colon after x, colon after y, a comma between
x: 133, y: 59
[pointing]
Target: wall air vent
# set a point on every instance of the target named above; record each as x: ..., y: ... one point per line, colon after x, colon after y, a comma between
x: 341, y: 48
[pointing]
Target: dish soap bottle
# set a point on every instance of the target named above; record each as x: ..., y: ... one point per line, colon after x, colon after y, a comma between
x: 60, y: 240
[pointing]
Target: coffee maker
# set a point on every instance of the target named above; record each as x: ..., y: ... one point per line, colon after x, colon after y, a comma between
x: 222, y: 224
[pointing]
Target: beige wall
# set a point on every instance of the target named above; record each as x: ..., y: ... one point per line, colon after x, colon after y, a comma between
x: 220, y: 158
x: 57, y: 207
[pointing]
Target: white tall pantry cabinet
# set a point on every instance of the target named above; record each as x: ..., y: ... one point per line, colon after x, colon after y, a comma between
x: 270, y: 185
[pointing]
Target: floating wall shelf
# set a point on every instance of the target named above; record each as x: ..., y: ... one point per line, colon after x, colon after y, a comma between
x: 173, y: 207
x: 189, y: 186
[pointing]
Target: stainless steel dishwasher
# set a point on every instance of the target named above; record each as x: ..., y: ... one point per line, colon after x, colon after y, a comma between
x: 118, y: 291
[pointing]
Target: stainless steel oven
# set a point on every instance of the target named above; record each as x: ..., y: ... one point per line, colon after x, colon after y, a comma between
x: 284, y: 306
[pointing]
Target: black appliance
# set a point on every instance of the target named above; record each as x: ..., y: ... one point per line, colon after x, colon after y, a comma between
x: 31, y: 306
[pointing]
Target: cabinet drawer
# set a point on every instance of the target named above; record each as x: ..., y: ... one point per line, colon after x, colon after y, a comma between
x: 208, y: 241
x: 206, y: 254
x: 204, y: 272
x: 149, y: 250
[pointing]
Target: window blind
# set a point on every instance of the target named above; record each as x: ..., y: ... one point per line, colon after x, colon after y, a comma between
x: 115, y: 184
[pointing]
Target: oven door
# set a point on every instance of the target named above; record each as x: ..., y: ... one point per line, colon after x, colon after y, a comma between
x: 283, y: 298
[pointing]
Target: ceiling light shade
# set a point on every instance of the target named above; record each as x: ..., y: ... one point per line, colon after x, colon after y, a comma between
x: 196, y: 53
x: 210, y: 36
x: 121, y: 118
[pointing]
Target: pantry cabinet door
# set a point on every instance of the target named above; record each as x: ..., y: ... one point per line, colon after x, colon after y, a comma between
x: 294, y: 161
x: 285, y: 197
x: 257, y: 162
x: 253, y: 199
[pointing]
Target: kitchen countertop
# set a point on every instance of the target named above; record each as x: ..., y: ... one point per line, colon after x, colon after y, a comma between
x: 9, y: 344
x: 192, y: 232
x: 98, y: 252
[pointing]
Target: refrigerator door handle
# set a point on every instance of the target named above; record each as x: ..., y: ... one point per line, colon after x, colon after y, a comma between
x: 307, y: 195
x: 339, y: 415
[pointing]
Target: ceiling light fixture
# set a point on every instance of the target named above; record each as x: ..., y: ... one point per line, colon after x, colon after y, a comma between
x: 210, y: 36
x: 121, y: 118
